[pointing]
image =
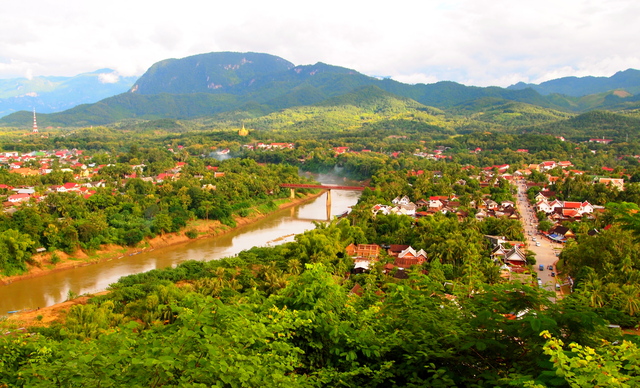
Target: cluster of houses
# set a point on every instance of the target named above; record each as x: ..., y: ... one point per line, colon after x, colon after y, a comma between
x: 40, y: 162
x: 404, y: 256
x: 24, y: 194
x: 446, y: 204
x: 509, y: 255
x: 72, y: 161
x: 270, y: 146
x: 563, y: 210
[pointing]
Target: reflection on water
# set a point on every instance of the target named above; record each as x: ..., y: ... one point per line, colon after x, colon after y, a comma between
x: 276, y: 229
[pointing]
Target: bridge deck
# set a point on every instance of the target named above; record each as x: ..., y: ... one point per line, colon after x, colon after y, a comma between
x: 325, y: 187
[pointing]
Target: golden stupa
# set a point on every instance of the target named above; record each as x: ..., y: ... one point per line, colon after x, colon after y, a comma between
x: 243, y: 131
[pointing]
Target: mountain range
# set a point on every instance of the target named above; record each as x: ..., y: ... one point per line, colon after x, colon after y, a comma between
x: 55, y: 94
x: 255, y: 84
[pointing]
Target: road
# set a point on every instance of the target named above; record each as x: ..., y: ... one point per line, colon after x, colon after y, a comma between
x: 547, y: 250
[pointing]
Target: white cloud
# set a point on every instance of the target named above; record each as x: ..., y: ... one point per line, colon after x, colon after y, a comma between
x: 108, y: 78
x: 479, y: 42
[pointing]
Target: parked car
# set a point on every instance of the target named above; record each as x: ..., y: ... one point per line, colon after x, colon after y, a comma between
x: 550, y: 267
x: 541, y: 267
x: 538, y: 244
x: 553, y: 274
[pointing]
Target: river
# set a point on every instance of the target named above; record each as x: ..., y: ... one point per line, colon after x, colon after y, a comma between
x: 275, y: 229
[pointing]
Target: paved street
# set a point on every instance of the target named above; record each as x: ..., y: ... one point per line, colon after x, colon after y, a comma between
x: 546, y: 252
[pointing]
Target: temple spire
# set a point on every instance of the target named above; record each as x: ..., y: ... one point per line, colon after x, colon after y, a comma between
x: 35, y: 123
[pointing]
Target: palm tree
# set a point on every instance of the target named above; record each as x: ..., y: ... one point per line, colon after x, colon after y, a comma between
x: 595, y: 292
x: 629, y: 297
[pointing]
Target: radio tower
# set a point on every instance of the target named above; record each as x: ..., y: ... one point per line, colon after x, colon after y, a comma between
x: 35, y: 124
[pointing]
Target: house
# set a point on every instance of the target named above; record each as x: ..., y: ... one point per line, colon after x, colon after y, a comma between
x: 363, y: 255
x: 548, y: 165
x: 409, y: 257
x: 25, y: 190
x: 559, y: 232
x: 401, y: 201
x: 600, y: 141
x: 543, y: 206
x: 17, y: 198
x: 515, y: 257
x: 383, y: 209
x: 586, y: 207
x: 435, y: 203
x: 24, y: 171
x: 544, y: 195
x: 490, y: 204
x: 403, y: 206
x: 613, y: 182
x: 572, y: 205
x: 481, y: 215
x: 422, y: 203
x: 498, y: 253
x: 363, y: 251
x: 556, y: 204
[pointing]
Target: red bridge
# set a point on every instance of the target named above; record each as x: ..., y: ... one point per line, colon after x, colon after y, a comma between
x: 294, y: 186
x: 324, y: 187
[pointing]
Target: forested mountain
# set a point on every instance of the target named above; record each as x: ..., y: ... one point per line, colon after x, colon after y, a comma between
x: 208, y: 73
x: 254, y: 85
x: 55, y: 94
x: 628, y: 80
x: 594, y: 124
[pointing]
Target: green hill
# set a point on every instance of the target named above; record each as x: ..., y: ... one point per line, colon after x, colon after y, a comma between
x: 217, y: 73
x: 208, y: 85
x: 508, y: 113
x: 628, y: 80
x: 594, y: 124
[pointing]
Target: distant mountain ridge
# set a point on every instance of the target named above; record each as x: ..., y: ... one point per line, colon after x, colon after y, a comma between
x: 255, y: 84
x: 55, y: 94
x: 628, y: 80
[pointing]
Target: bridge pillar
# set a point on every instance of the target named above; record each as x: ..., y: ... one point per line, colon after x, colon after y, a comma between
x: 292, y: 194
x: 328, y: 205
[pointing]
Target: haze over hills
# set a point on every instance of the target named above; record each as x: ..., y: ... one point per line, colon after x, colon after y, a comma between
x: 255, y: 84
x: 628, y: 80
x: 55, y: 94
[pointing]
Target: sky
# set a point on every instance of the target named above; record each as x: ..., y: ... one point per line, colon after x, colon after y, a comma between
x: 473, y: 42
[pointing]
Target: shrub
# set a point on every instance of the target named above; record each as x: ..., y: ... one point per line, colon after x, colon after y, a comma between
x: 191, y: 233
x: 55, y: 258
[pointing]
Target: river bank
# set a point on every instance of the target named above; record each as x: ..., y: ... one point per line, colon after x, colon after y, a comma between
x: 205, y: 229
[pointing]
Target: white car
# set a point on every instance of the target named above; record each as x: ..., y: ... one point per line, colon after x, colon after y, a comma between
x: 538, y: 244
